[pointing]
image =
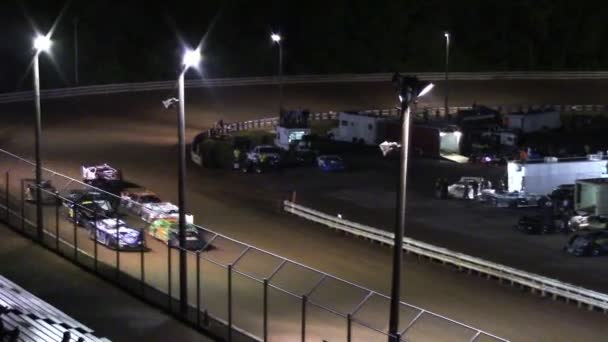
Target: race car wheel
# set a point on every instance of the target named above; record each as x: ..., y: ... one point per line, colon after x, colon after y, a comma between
x: 595, y: 251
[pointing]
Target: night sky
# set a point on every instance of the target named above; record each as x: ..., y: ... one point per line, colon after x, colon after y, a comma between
x: 126, y: 41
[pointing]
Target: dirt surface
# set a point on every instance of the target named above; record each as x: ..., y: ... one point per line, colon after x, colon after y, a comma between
x: 134, y: 133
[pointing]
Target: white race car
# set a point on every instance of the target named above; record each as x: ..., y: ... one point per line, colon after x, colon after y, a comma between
x: 153, y: 211
x: 586, y: 221
x: 101, y: 172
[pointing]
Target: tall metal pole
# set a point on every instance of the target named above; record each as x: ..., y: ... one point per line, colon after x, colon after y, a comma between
x: 447, y: 68
x: 183, y: 282
x: 400, y: 222
x: 37, y: 146
x: 76, y: 80
x: 280, y: 76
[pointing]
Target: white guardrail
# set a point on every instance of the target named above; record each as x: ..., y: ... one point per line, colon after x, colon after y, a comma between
x: 299, y: 79
x: 536, y: 283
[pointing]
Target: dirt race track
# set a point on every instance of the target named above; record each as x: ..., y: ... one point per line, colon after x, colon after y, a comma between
x: 135, y: 134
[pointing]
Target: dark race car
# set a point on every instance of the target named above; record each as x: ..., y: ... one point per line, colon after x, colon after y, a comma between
x: 591, y: 243
x: 115, y: 233
x: 538, y: 224
x: 47, y: 193
x: 86, y: 206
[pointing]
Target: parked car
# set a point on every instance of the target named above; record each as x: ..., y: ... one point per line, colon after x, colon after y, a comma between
x: 513, y: 199
x: 166, y: 230
x: 538, y: 224
x: 465, y: 184
x: 47, y: 193
x: 262, y: 158
x: 591, y: 243
x: 134, y: 199
x: 152, y: 211
x: 585, y: 221
x: 115, y: 233
x: 99, y: 173
x: 85, y: 206
x: 331, y: 163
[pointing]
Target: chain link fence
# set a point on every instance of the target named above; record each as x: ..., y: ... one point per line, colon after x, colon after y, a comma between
x: 235, y: 290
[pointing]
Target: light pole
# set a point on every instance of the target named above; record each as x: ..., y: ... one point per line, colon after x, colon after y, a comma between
x: 408, y: 88
x: 446, y: 34
x: 75, y: 22
x: 191, y: 59
x: 41, y: 43
x: 276, y: 38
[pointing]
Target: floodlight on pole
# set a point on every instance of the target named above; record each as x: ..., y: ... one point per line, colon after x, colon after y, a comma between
x: 42, y: 43
x: 192, y: 58
x: 275, y: 37
x: 426, y: 89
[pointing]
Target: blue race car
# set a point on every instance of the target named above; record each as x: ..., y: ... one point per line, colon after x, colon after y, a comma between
x: 331, y: 163
x: 115, y: 234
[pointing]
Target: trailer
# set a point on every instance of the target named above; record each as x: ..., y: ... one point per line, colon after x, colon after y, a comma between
x: 591, y: 195
x: 533, y: 121
x: 543, y: 176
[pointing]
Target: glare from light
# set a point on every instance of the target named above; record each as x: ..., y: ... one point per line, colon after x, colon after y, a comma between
x: 442, y: 134
x: 42, y: 43
x: 426, y: 89
x: 192, y: 58
x: 446, y: 35
x: 457, y: 134
x: 275, y: 37
x: 400, y: 98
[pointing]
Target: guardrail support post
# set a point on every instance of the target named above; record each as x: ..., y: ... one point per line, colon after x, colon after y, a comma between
x: 265, y: 309
x: 229, y: 302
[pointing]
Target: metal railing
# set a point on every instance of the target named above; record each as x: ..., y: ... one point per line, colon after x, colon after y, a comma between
x: 544, y: 285
x: 235, y: 290
x: 299, y: 79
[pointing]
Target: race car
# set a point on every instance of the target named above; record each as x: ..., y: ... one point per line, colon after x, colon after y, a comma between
x: 86, y: 206
x: 166, y: 230
x: 115, y: 233
x: 152, y: 211
x: 583, y: 221
x: 514, y: 199
x: 262, y: 158
x: 99, y: 173
x: 47, y: 193
x: 134, y: 199
x: 329, y: 163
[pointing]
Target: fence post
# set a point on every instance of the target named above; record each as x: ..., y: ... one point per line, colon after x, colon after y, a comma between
x: 6, y: 194
x: 117, y: 248
x: 349, y: 324
x: 169, y: 277
x: 22, y: 206
x: 95, y: 241
x: 75, y: 233
x: 142, y: 270
x: 57, y: 205
x: 229, y: 302
x: 265, y: 308
x: 198, y: 288
x: 304, y: 300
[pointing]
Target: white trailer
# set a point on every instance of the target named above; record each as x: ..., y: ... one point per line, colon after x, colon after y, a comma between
x: 591, y: 195
x: 358, y: 127
x: 533, y: 121
x: 541, y: 177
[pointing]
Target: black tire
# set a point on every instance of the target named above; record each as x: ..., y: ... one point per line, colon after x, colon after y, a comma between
x: 595, y: 251
x: 512, y: 204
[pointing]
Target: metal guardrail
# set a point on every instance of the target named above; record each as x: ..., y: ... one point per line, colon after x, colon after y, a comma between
x: 544, y: 285
x: 298, y: 79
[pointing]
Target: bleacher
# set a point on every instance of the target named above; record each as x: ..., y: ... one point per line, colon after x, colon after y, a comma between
x: 24, y: 317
